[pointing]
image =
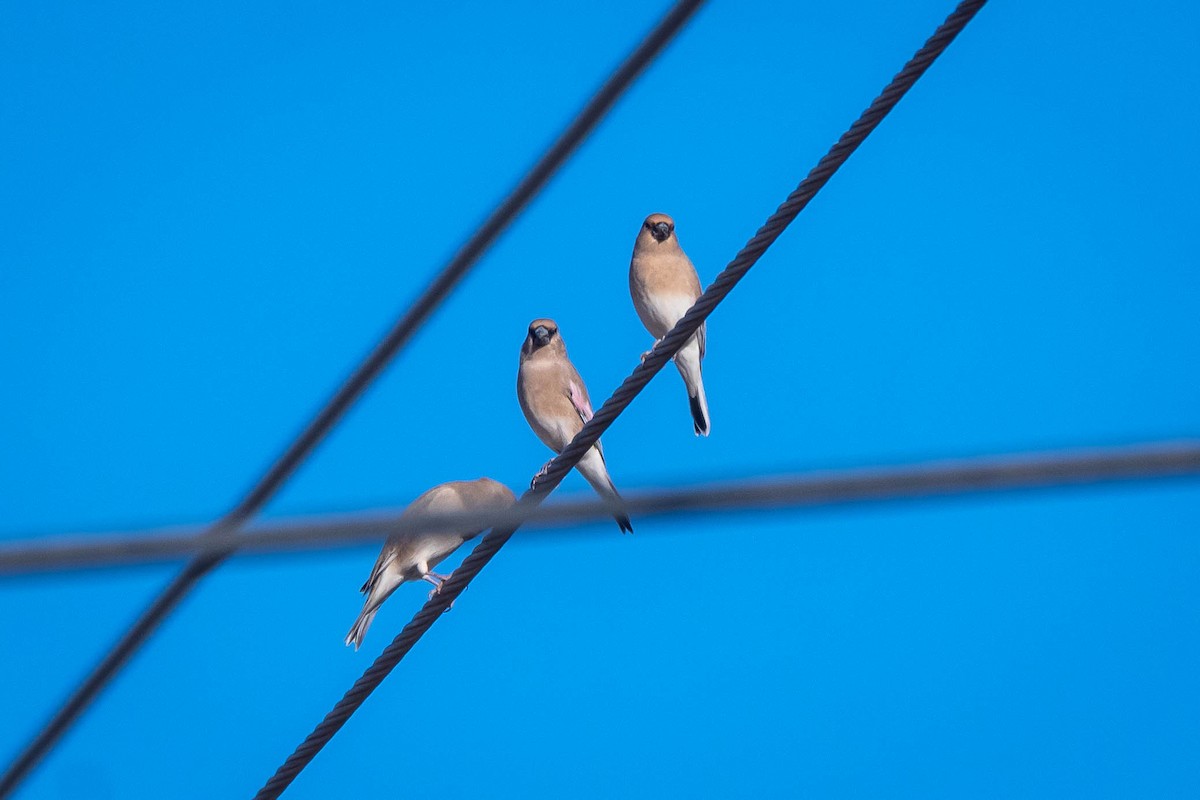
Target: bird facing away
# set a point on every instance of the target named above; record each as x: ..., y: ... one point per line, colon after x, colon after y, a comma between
x: 664, y: 285
x: 412, y: 556
x: 556, y: 406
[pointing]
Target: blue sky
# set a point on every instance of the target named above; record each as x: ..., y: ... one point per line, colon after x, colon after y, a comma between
x: 209, y: 212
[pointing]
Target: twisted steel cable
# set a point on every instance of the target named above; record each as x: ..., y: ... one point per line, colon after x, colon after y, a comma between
x: 404, y: 329
x: 663, y: 351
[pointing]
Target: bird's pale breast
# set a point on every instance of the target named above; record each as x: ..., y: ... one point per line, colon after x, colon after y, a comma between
x: 663, y: 287
x: 544, y: 396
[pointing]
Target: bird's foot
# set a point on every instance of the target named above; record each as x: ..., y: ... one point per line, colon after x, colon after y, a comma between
x: 437, y: 591
x: 541, y: 473
x: 437, y: 581
x: 646, y: 354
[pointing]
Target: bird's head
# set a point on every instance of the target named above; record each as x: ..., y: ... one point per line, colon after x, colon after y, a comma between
x: 659, y: 227
x: 496, y: 495
x: 487, y: 496
x: 542, y: 333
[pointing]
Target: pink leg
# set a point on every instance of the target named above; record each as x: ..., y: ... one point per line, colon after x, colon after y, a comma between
x: 437, y: 581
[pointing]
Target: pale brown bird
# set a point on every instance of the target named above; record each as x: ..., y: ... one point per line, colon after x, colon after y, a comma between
x: 556, y: 406
x: 664, y: 285
x: 412, y: 556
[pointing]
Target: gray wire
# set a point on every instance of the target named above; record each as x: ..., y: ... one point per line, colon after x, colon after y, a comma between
x: 988, y: 474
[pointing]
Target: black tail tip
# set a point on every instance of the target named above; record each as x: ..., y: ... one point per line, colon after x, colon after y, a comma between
x: 699, y: 420
x: 623, y: 521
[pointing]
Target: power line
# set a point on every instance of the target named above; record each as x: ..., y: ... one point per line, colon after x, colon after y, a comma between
x: 621, y: 398
x: 995, y: 473
x: 466, y: 257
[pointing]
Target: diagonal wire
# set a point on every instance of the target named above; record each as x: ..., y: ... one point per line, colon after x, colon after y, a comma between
x: 466, y: 257
x: 923, y: 480
x: 621, y: 398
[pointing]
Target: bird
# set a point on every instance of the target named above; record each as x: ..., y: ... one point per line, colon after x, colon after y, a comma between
x: 664, y: 285
x: 412, y: 556
x: 556, y: 405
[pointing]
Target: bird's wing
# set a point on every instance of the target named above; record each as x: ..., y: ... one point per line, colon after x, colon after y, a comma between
x: 399, y: 547
x: 579, y: 399
x: 696, y: 290
x: 390, y: 551
x: 583, y: 405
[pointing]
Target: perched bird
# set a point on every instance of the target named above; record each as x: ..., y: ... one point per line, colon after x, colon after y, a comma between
x: 664, y: 285
x: 556, y: 406
x: 412, y: 556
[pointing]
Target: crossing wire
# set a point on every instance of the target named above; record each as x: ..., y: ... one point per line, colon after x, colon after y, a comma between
x: 404, y: 329
x: 663, y: 351
x: 924, y: 480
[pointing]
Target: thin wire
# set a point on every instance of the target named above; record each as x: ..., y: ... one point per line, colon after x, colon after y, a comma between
x: 658, y: 357
x: 537, y: 177
x: 995, y: 473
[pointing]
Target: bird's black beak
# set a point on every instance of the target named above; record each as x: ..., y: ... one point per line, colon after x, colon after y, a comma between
x: 661, y: 231
x: 542, y: 334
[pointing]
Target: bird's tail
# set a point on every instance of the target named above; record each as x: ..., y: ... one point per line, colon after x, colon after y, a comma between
x: 687, y: 361
x: 358, y: 630
x: 619, y: 514
x: 591, y: 466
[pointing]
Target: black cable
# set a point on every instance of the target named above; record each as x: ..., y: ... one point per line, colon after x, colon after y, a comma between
x: 466, y: 257
x: 658, y: 357
x: 995, y: 473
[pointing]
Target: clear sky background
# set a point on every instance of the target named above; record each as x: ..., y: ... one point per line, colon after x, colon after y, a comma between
x: 209, y: 212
